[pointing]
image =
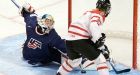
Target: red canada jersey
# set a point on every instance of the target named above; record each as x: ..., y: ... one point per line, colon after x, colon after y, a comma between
x: 87, y: 26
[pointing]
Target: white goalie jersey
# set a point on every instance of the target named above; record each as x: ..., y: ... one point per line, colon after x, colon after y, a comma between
x: 87, y: 26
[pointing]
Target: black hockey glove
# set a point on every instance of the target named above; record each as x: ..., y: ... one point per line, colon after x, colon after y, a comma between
x: 105, y: 52
x: 100, y: 41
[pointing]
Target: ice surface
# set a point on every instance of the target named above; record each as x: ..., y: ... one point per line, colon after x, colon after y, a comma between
x: 11, y: 62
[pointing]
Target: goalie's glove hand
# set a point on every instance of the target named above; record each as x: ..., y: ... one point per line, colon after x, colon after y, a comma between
x: 105, y: 52
x: 26, y: 7
x: 100, y: 42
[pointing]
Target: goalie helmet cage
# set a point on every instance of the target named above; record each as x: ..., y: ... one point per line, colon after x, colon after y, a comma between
x: 134, y: 34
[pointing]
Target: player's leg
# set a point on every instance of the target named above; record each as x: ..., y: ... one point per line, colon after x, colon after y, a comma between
x: 55, y: 55
x: 93, y: 54
x: 102, y: 67
x: 73, y: 61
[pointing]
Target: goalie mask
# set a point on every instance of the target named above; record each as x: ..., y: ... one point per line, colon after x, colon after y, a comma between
x: 45, y: 24
x: 104, y: 5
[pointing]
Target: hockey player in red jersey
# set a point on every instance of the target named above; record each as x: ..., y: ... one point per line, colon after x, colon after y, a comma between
x: 85, y: 38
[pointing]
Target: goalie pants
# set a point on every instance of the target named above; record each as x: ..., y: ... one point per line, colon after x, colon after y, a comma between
x: 82, y: 47
x: 55, y: 56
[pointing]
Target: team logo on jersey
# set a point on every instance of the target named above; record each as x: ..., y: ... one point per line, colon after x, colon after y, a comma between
x: 33, y: 43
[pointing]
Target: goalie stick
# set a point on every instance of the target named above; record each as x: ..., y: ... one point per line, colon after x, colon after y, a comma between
x: 15, y: 3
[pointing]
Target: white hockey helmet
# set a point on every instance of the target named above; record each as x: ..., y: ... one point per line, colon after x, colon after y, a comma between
x: 45, y: 24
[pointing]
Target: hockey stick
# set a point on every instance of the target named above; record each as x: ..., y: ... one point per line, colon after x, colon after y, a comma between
x: 112, y: 65
x: 15, y: 3
x: 119, y: 71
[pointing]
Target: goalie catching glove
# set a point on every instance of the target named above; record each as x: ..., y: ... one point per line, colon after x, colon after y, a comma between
x: 26, y: 7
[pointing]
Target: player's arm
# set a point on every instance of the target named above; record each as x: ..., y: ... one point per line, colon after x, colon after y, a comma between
x: 99, y: 42
x: 98, y: 37
x: 28, y: 12
x: 57, y: 42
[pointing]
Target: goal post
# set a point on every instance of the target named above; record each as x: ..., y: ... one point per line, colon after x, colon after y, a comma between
x: 69, y: 12
x: 135, y: 33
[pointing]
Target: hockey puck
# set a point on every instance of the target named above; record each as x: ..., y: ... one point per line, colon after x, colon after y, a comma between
x: 83, y: 71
